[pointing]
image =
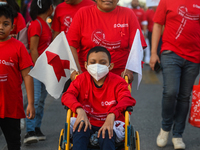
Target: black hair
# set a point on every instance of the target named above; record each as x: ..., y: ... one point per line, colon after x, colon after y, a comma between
x: 97, y: 49
x: 15, y: 7
x: 35, y: 10
x: 7, y: 11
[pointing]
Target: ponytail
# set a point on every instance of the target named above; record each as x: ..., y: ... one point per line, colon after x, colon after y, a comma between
x: 39, y: 7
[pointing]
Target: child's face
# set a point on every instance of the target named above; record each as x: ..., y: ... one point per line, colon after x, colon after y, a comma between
x: 99, y: 58
x: 5, y: 28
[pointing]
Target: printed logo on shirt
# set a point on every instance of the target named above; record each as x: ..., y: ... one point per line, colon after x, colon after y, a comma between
x: 3, y: 77
x: 118, y: 25
x: 183, y: 12
x: 3, y: 62
x: 108, y: 103
x: 67, y: 22
x: 196, y: 6
x: 99, y: 38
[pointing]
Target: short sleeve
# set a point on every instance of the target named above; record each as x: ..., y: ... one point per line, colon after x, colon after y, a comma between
x: 20, y: 23
x: 160, y: 14
x: 34, y: 29
x: 56, y: 26
x: 134, y: 25
x: 74, y: 33
x: 24, y: 58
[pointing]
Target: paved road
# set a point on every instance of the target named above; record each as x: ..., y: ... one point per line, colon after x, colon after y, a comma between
x: 146, y: 118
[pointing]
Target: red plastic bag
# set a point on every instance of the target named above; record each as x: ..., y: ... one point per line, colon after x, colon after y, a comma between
x: 194, y: 118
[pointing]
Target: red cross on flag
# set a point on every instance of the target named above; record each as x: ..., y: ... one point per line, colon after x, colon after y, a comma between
x: 54, y: 65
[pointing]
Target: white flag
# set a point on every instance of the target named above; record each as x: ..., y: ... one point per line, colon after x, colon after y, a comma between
x: 54, y: 65
x: 134, y: 62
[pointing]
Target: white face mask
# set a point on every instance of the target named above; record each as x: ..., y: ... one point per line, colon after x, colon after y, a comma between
x: 3, y: 3
x: 98, y: 71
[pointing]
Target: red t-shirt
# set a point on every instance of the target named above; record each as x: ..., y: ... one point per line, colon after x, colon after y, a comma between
x: 114, y: 30
x: 45, y: 35
x: 14, y: 58
x: 19, y: 23
x: 150, y: 14
x: 182, y: 27
x: 112, y: 97
x: 64, y: 14
x: 141, y: 16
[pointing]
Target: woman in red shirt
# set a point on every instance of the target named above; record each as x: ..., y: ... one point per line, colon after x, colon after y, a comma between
x: 180, y: 58
x: 39, y: 38
x: 107, y: 25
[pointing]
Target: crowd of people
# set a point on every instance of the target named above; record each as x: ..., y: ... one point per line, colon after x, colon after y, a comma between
x: 100, y: 35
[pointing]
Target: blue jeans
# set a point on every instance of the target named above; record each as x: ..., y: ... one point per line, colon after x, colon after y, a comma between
x: 81, y: 139
x: 40, y: 95
x: 178, y: 78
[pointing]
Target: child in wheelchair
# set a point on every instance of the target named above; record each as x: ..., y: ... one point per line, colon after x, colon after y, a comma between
x: 99, y: 98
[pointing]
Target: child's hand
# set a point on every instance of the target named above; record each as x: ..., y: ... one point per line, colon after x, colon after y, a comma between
x: 108, y: 125
x: 30, y: 112
x: 82, y: 119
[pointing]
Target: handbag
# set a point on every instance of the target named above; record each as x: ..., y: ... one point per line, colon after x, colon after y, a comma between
x: 194, y: 118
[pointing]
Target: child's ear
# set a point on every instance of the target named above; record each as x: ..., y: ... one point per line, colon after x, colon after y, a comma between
x: 13, y: 26
x: 85, y: 65
x: 111, y: 66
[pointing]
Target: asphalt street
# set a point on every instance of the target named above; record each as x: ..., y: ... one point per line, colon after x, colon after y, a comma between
x: 146, y: 118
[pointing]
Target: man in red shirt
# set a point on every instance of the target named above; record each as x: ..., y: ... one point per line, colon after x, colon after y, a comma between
x: 98, y: 97
x: 64, y: 14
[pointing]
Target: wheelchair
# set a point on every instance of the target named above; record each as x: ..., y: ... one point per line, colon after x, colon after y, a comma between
x: 131, y: 141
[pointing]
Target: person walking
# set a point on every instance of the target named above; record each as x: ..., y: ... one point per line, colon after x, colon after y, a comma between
x: 180, y: 58
x: 39, y: 38
x: 64, y: 14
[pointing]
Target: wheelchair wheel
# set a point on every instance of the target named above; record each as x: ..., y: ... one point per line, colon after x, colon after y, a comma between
x: 137, y: 140
x: 60, y: 144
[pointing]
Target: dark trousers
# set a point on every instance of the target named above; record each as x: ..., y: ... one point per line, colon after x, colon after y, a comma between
x: 81, y: 139
x: 11, y: 130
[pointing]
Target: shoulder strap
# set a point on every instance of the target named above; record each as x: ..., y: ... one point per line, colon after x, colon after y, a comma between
x: 40, y: 26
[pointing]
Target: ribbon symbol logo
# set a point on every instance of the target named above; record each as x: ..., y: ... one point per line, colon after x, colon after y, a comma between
x: 183, y: 11
x: 57, y: 64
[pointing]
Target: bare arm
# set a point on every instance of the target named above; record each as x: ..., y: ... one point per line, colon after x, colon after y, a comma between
x: 157, y: 30
x: 34, y: 41
x: 55, y: 33
x: 28, y: 80
x: 75, y: 54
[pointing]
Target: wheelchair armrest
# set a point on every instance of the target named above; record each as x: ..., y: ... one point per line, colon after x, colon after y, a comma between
x: 129, y: 108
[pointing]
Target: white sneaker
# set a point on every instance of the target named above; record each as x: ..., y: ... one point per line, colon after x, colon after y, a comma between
x: 178, y: 143
x: 162, y: 138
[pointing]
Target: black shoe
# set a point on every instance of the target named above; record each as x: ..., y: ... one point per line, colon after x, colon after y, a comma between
x: 30, y: 138
x: 40, y: 135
